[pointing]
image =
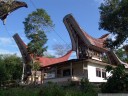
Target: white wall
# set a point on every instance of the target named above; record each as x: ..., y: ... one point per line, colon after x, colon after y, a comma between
x: 92, y: 73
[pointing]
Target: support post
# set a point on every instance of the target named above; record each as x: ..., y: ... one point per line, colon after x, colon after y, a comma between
x: 22, y: 81
x: 42, y: 75
x: 56, y: 71
x: 77, y: 48
x: 71, y: 69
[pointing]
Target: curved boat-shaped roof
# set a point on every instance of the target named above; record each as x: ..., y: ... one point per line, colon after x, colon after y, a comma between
x: 44, y: 61
x: 93, y: 43
x: 73, y: 29
x: 98, y: 42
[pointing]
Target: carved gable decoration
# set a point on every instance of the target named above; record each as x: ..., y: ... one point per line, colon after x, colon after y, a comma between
x: 7, y: 7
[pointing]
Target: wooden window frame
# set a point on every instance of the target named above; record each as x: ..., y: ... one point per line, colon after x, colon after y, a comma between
x: 103, y: 73
x: 98, y: 72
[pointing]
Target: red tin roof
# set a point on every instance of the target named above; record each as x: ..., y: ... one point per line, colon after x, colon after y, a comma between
x: 98, y: 42
x: 45, y: 61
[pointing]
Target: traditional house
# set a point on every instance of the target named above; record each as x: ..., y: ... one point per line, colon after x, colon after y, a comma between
x: 91, y: 60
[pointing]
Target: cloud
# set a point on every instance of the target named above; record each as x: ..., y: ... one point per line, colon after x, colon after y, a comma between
x: 5, y: 40
x: 50, y: 52
x: 99, y: 1
x: 55, y: 40
x: 3, y: 51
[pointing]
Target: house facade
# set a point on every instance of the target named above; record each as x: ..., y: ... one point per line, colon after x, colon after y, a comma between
x: 92, y: 58
x: 75, y: 70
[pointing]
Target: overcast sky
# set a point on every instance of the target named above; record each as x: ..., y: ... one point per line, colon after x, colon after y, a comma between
x: 85, y: 12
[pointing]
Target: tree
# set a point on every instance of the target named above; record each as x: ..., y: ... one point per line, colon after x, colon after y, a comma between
x: 114, y: 19
x: 122, y: 54
x: 36, y: 24
x: 61, y: 49
x: 126, y: 49
x: 3, y: 75
x: 117, y: 82
x: 10, y: 68
x: 13, y: 66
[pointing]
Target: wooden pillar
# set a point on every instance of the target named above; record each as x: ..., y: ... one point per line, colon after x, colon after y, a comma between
x: 77, y: 48
x: 71, y: 69
x: 56, y: 71
x: 23, y: 73
x: 83, y: 67
x: 42, y: 76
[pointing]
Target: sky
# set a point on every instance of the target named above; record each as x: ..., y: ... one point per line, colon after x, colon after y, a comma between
x: 86, y: 13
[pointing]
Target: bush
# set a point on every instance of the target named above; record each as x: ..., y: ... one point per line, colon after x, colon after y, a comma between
x: 51, y: 90
x: 19, y: 92
x: 86, y: 86
x: 117, y: 82
x: 56, y: 90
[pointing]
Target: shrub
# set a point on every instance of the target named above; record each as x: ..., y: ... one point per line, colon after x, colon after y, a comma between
x: 117, y: 82
x: 51, y: 90
x: 86, y: 86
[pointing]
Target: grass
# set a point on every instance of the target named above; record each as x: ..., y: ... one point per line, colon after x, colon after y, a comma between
x: 19, y: 92
x: 49, y: 90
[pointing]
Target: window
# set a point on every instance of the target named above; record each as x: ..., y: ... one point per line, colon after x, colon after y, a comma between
x: 103, y: 73
x: 98, y: 72
x: 59, y: 73
x: 66, y: 72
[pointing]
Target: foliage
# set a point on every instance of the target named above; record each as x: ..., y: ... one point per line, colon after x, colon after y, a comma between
x: 105, y: 58
x: 113, y: 18
x: 122, y: 54
x: 61, y: 49
x: 3, y: 74
x: 50, y: 89
x: 36, y: 24
x: 126, y: 48
x: 117, y: 82
x: 56, y: 90
x: 10, y: 67
x: 19, y: 92
x: 86, y: 86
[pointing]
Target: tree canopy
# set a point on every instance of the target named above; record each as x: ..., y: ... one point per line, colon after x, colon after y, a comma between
x: 117, y: 82
x: 10, y: 67
x: 122, y: 54
x: 36, y: 24
x: 61, y: 49
x: 114, y: 19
